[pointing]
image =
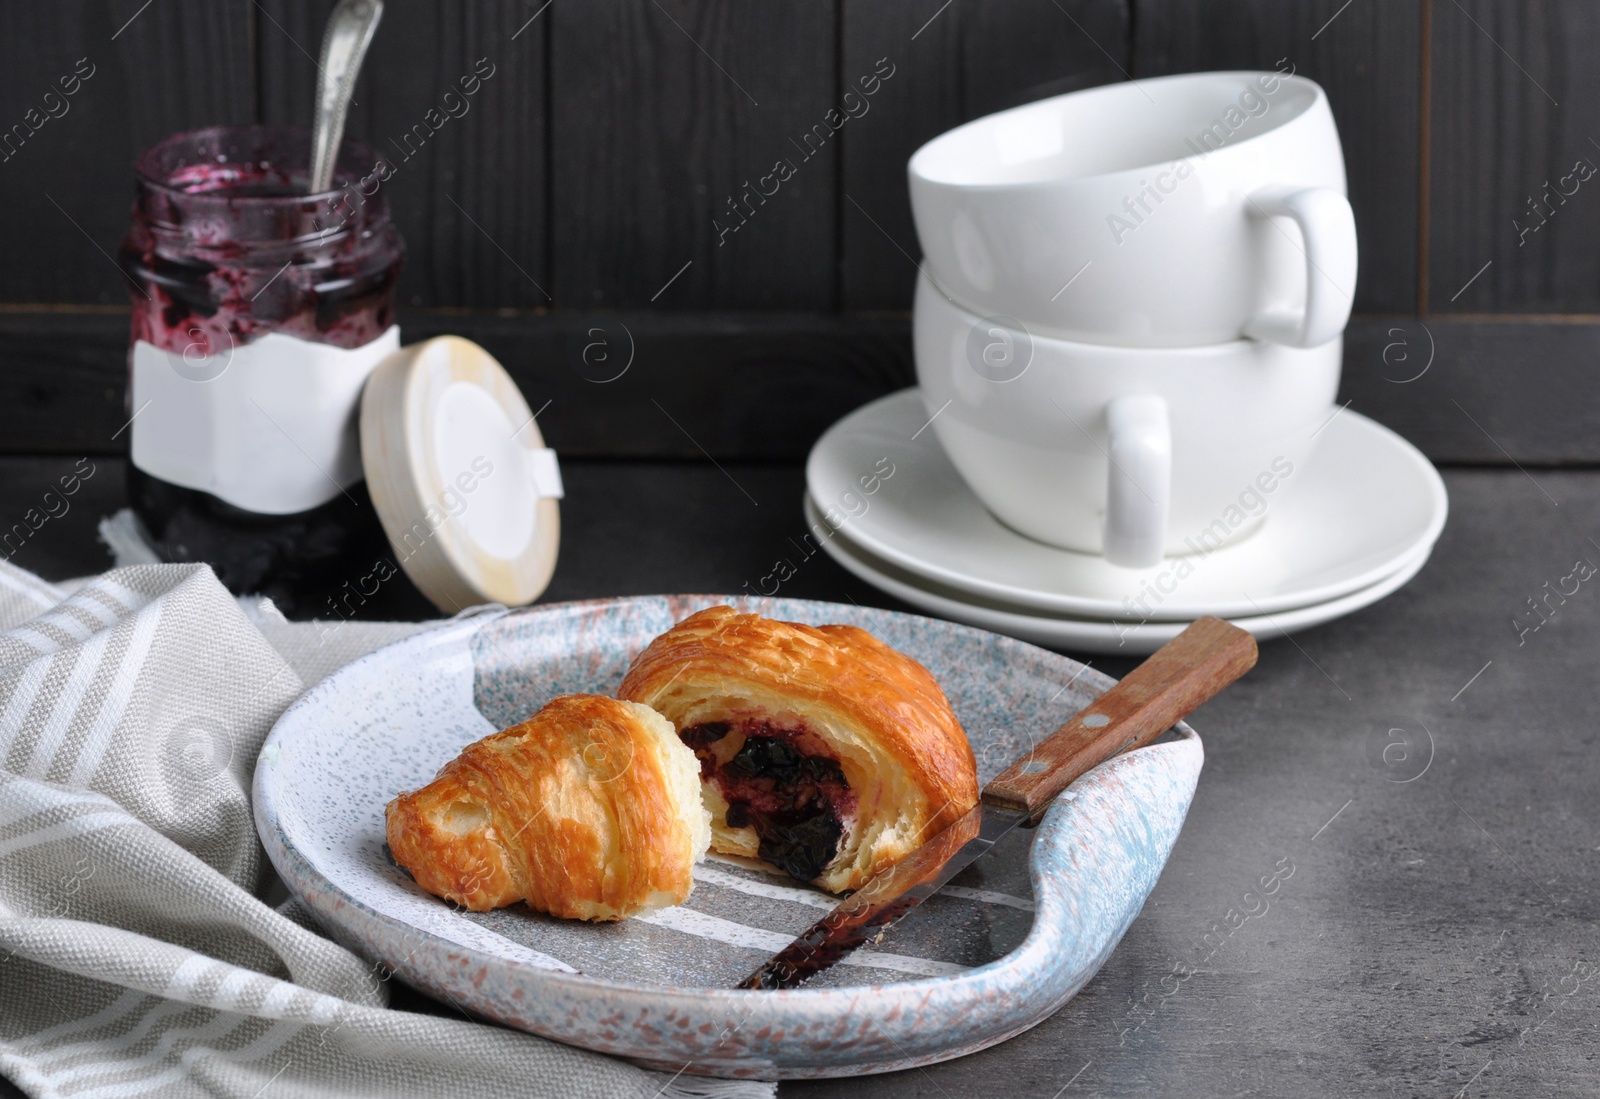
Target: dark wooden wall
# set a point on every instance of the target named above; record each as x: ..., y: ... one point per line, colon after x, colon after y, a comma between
x: 574, y: 210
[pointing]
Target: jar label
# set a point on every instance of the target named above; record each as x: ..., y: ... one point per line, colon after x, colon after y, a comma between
x: 269, y: 427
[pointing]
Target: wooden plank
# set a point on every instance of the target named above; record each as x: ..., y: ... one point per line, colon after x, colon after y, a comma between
x: 186, y: 64
x: 758, y: 385
x: 732, y: 385
x: 1516, y: 107
x: 920, y: 42
x: 63, y: 377
x: 66, y: 176
x: 665, y: 113
x: 1497, y: 389
x: 1017, y: 51
x: 288, y: 39
x: 950, y: 63
x: 468, y: 193
x: 1367, y: 57
x: 763, y: 386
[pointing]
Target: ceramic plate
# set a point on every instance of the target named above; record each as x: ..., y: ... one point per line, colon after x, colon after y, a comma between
x: 1367, y: 503
x: 1125, y: 637
x: 1011, y: 940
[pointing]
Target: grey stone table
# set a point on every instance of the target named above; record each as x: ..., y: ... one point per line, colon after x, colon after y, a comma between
x: 1427, y: 923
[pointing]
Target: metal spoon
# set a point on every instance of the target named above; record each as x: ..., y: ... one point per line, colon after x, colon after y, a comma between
x: 344, y: 46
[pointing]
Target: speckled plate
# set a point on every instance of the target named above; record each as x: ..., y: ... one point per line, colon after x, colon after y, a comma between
x: 1009, y: 942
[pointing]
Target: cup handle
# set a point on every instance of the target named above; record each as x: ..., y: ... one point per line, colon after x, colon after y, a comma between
x: 1328, y: 228
x: 1139, y: 485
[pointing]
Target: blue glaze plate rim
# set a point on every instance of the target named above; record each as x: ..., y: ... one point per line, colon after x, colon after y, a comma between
x: 1094, y: 859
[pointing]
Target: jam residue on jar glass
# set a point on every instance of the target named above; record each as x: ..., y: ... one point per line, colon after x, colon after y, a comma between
x: 225, y: 245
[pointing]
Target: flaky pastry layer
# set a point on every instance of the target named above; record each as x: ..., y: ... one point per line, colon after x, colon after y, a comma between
x: 876, y: 711
x: 588, y: 810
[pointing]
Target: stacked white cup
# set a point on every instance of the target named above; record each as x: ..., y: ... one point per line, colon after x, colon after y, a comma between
x: 1132, y: 302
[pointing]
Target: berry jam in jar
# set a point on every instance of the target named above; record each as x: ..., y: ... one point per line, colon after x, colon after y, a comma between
x: 258, y: 312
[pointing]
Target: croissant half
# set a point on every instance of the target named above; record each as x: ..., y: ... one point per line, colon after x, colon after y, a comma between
x: 823, y: 751
x: 591, y: 809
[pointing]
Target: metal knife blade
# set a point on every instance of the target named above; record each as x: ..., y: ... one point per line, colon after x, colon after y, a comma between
x: 1188, y: 670
x: 870, y: 911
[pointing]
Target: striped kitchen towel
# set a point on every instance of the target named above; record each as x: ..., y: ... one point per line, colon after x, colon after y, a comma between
x: 136, y: 956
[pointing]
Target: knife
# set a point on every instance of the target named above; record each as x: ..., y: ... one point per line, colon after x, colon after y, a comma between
x: 1186, y: 671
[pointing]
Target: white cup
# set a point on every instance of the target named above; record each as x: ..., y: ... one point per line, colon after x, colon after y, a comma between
x: 1133, y: 453
x: 1172, y: 212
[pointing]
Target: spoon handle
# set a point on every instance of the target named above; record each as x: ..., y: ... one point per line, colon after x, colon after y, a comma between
x: 344, y: 46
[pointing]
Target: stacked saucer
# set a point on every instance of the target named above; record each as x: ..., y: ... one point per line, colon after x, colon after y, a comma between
x: 1128, y: 338
x: 885, y: 501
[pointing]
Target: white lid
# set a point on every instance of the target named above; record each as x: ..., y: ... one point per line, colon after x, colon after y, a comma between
x: 460, y: 476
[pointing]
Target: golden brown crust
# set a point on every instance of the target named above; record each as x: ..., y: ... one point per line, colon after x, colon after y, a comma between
x: 587, y: 810
x: 880, y: 712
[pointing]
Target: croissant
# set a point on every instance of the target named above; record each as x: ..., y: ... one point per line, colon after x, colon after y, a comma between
x: 823, y: 751
x: 588, y: 810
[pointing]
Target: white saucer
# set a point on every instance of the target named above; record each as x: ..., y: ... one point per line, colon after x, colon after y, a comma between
x: 1127, y: 637
x: 1367, y: 505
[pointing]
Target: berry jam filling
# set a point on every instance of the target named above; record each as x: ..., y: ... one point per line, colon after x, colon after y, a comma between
x: 777, y: 781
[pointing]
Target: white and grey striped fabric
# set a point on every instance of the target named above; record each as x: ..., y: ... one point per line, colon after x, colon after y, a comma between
x: 136, y: 956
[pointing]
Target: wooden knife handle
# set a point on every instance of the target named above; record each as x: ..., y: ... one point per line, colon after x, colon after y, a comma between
x: 1183, y: 673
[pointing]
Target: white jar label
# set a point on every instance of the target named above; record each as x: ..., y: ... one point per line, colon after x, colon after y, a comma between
x: 269, y: 427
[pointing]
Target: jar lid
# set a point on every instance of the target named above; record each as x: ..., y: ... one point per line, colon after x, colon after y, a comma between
x: 460, y: 476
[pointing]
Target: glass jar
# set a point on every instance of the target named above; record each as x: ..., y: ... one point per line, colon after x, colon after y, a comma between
x: 258, y: 312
